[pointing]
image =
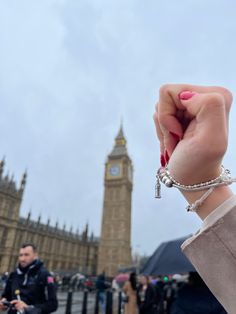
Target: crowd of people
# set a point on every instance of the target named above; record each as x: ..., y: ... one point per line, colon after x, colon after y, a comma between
x: 140, y: 294
x: 147, y: 295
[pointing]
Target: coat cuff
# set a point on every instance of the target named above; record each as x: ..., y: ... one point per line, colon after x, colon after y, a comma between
x: 212, y: 251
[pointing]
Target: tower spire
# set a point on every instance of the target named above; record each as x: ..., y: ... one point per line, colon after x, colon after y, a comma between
x: 48, y: 222
x: 119, y: 148
x: 71, y: 229
x: 86, y: 228
x: 2, y: 164
x: 29, y: 215
x: 23, y: 181
x: 120, y: 134
x: 39, y: 219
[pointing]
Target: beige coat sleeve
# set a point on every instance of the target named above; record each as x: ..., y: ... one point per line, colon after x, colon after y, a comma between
x: 212, y: 251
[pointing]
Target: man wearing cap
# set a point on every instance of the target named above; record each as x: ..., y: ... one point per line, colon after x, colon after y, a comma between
x: 30, y: 288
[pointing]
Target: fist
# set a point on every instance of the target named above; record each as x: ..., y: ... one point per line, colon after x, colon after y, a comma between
x: 192, y: 127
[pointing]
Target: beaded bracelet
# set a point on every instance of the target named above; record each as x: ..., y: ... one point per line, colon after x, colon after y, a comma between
x: 194, y: 207
x: 163, y: 176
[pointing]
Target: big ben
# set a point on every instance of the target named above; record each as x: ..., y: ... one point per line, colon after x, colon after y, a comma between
x: 115, y: 242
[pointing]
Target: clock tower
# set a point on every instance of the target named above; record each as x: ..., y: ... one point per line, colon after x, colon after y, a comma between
x: 115, y: 242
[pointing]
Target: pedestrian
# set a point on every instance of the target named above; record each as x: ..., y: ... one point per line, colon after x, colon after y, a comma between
x: 158, y: 286
x: 192, y: 124
x: 30, y: 288
x: 194, y: 297
x: 170, y: 290
x: 146, y: 296
x: 66, y: 282
x: 130, y: 290
x: 101, y: 287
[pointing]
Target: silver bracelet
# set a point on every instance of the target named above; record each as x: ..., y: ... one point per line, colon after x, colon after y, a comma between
x: 163, y: 176
x: 194, y: 207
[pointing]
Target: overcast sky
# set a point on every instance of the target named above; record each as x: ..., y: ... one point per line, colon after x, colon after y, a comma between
x: 69, y: 70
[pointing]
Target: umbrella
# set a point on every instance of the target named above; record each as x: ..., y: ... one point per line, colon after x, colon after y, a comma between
x: 122, y: 277
x: 168, y: 259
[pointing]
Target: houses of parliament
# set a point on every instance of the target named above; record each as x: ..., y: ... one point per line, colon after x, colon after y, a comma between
x: 67, y: 251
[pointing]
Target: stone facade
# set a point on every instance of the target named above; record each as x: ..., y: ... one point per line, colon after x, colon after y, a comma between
x: 63, y: 250
x: 115, y: 241
x: 60, y: 250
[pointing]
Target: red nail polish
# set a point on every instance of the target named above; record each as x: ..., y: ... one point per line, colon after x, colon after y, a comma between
x: 167, y: 158
x: 175, y: 136
x: 163, y: 161
x: 186, y: 95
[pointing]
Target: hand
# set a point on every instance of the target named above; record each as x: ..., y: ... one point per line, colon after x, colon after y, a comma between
x: 192, y: 126
x: 201, y: 125
x: 2, y: 306
x: 19, y: 305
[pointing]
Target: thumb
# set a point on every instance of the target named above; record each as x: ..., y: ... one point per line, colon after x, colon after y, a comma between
x: 199, y: 105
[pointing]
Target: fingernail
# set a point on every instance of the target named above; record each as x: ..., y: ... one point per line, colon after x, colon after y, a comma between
x: 186, y: 95
x: 175, y: 136
x: 163, y: 161
x: 166, y: 156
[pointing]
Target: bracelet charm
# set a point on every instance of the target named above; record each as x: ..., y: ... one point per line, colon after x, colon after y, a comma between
x: 163, y: 176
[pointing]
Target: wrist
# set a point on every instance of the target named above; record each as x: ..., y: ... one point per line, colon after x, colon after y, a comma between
x: 203, y: 197
x: 216, y: 198
x: 195, y: 174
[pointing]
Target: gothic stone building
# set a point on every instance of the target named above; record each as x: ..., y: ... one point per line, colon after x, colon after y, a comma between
x: 63, y: 250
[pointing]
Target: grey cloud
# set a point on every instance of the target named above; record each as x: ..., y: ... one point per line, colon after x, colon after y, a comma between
x: 70, y: 69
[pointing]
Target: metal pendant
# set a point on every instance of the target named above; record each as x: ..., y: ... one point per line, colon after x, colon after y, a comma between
x: 158, y: 188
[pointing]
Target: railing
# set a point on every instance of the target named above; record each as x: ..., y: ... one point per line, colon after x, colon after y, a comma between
x: 112, y: 303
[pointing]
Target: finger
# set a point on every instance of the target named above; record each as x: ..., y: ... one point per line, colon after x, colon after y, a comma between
x: 170, y: 104
x: 174, y: 138
x: 200, y: 104
x: 158, y: 130
x: 170, y: 93
x: 171, y: 131
x: 164, y: 158
x: 211, y: 114
x: 168, y: 120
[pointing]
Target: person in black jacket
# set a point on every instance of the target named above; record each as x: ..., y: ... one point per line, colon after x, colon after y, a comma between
x: 101, y: 287
x: 146, y: 296
x: 194, y: 297
x: 30, y: 288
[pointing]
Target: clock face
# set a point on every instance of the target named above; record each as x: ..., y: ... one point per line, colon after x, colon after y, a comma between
x: 114, y: 170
